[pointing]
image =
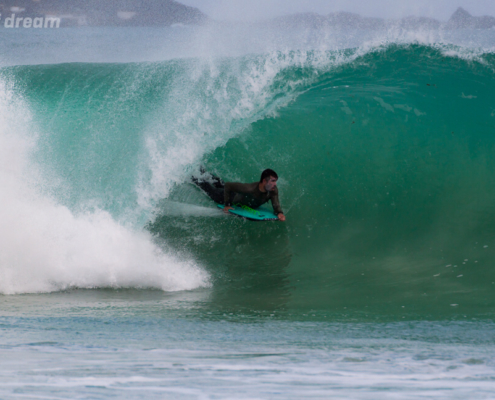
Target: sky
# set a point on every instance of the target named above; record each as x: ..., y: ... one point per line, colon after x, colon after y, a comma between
x: 249, y: 10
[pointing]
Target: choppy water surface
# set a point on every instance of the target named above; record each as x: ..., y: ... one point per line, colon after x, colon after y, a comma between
x: 135, y: 344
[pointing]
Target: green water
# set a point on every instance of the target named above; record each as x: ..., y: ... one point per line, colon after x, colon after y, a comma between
x: 385, y: 164
x: 386, y: 168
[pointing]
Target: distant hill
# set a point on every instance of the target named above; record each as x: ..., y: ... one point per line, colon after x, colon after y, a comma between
x: 170, y: 12
x: 419, y: 23
x: 347, y: 19
x: 461, y: 19
x: 340, y: 20
x: 107, y: 12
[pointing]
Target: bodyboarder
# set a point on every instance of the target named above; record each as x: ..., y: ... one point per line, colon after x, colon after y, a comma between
x: 249, y: 194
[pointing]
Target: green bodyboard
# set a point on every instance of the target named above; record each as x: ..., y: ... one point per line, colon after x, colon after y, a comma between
x: 258, y: 214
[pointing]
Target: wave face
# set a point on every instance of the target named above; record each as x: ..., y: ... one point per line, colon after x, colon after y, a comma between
x: 384, y: 157
x: 385, y: 163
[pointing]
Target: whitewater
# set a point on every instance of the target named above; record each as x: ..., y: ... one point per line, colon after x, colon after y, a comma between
x: 119, y: 278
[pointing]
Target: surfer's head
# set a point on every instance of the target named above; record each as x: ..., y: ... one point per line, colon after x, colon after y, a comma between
x: 269, y: 179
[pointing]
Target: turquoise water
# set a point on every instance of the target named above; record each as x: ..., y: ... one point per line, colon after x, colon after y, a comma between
x: 118, y: 278
x: 150, y: 344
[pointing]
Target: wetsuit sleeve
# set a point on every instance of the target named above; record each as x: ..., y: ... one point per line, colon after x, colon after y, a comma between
x: 234, y: 187
x: 276, y: 204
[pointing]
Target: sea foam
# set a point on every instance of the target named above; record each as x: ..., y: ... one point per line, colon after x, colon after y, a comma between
x: 46, y: 247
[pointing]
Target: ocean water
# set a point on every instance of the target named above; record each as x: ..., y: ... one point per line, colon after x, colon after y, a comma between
x: 120, y: 279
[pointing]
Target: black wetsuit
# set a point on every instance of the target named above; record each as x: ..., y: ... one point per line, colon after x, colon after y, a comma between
x: 248, y: 194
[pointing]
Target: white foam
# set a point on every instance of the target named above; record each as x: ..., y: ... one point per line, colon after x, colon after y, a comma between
x: 172, y: 208
x: 45, y: 247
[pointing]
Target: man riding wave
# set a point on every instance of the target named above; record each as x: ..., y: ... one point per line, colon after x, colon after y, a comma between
x: 249, y: 194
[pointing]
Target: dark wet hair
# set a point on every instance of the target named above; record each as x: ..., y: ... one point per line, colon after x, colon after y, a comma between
x: 267, y: 173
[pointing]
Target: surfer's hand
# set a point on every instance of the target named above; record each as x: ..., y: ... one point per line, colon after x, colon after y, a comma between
x: 227, y: 208
x: 281, y: 217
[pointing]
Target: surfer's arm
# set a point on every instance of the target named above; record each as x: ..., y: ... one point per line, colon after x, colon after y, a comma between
x: 277, y: 208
